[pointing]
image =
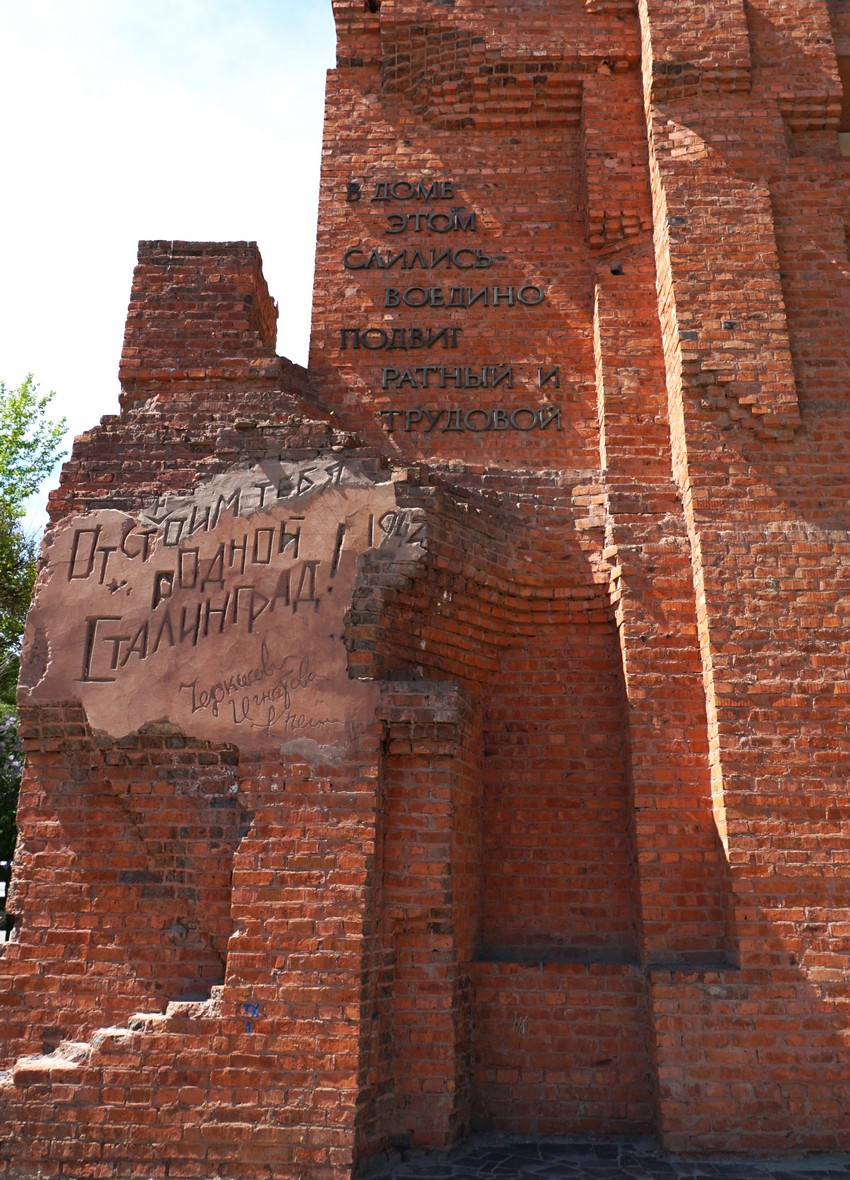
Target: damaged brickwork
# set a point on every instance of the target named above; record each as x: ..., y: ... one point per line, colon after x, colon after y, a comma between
x: 453, y: 736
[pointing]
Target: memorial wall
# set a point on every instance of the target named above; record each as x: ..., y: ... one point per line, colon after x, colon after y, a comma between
x: 453, y: 736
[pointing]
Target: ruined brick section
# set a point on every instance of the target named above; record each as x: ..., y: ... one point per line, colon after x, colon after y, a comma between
x: 618, y: 202
x: 809, y: 90
x: 704, y: 48
x: 492, y: 774
x: 189, y: 412
x: 197, y: 311
x: 149, y: 921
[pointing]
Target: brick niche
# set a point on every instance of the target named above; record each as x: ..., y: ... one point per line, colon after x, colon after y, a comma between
x: 453, y: 736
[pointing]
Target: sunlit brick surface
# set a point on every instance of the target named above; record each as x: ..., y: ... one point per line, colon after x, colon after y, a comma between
x: 491, y: 759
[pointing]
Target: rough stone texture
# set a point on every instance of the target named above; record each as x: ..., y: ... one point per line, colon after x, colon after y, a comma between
x: 454, y: 736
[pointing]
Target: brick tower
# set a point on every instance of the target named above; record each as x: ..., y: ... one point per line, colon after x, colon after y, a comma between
x: 455, y: 735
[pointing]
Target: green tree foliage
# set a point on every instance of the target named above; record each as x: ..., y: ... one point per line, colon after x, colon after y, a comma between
x: 30, y: 445
x: 11, y: 764
x: 17, y: 573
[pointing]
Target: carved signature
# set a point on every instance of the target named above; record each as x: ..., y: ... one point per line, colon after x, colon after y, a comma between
x: 287, y: 676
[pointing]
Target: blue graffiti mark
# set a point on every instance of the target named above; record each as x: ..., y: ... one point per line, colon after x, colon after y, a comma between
x: 252, y: 1011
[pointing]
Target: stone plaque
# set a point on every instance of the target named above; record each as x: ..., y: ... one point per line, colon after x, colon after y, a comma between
x: 221, y: 612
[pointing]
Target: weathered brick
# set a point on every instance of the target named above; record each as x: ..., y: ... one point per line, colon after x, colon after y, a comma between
x: 578, y: 861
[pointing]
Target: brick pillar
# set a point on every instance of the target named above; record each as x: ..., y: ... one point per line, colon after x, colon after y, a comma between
x: 198, y: 311
x: 431, y: 853
x: 732, y: 93
x: 681, y: 869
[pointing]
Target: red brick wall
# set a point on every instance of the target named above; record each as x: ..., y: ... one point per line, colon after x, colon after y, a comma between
x: 123, y: 868
x: 767, y: 536
x: 561, y: 1037
x: 583, y: 868
x: 558, y: 859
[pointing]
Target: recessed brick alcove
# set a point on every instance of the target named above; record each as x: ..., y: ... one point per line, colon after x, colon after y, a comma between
x: 452, y: 736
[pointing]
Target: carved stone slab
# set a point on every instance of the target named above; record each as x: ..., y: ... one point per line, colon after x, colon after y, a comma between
x: 221, y: 612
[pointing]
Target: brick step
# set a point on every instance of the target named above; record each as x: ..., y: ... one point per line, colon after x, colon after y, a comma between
x: 66, y: 1062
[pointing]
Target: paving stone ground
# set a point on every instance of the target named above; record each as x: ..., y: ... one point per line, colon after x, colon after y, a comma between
x: 570, y: 1160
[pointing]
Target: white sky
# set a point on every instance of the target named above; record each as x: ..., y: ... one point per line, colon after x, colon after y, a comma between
x: 129, y: 119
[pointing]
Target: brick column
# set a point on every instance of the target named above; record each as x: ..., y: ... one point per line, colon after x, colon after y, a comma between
x: 431, y: 855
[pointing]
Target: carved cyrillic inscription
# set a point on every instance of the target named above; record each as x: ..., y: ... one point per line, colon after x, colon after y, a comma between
x: 398, y: 339
x: 464, y: 297
x: 361, y: 258
x: 457, y: 219
x: 220, y: 611
x: 476, y: 420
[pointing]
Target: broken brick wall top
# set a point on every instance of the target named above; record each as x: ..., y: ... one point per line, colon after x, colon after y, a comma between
x: 201, y: 382
x: 191, y: 302
x: 549, y: 833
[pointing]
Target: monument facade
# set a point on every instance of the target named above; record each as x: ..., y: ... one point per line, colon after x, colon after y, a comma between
x: 453, y: 736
